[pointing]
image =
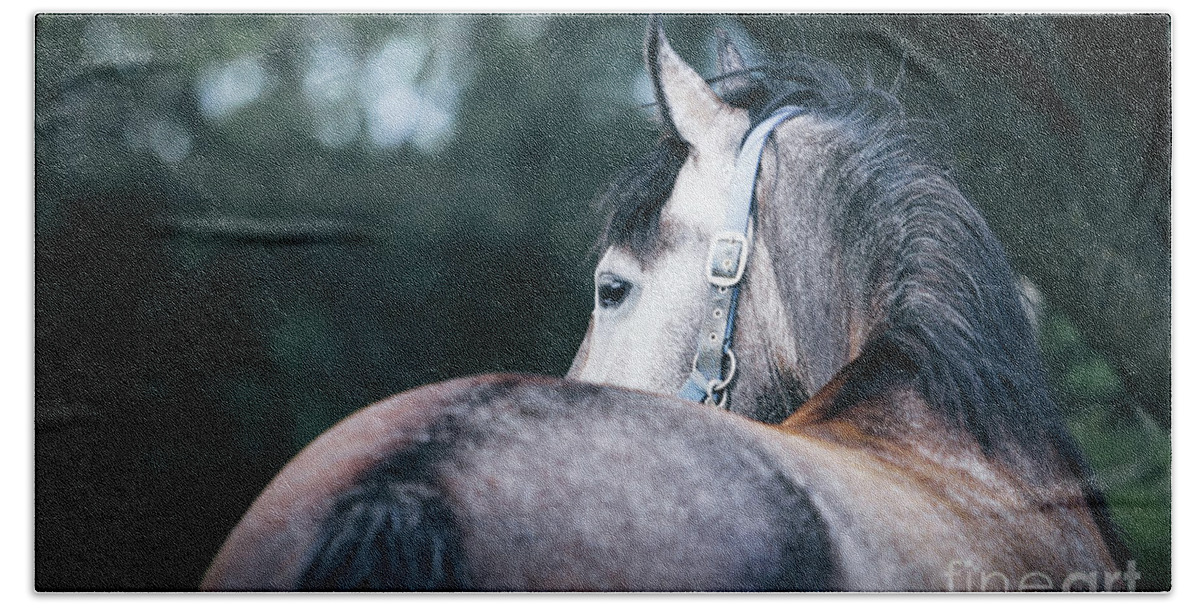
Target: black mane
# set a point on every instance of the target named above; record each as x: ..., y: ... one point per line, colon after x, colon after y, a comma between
x: 951, y: 319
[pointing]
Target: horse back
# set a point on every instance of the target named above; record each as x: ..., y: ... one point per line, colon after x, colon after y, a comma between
x: 519, y: 482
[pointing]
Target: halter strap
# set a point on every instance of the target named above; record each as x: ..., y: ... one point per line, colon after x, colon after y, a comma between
x: 727, y: 256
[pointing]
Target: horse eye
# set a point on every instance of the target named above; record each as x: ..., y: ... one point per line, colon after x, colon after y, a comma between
x: 611, y: 291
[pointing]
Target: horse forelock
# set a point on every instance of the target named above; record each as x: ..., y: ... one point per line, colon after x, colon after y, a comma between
x: 634, y: 199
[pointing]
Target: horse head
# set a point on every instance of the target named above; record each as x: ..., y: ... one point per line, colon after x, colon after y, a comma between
x: 653, y: 298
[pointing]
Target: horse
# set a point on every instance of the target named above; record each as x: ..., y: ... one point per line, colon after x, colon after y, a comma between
x: 808, y: 367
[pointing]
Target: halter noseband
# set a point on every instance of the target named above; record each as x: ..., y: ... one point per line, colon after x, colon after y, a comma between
x: 727, y: 256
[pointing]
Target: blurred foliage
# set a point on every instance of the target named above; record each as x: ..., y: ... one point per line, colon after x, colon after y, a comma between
x: 248, y: 227
x: 1129, y: 451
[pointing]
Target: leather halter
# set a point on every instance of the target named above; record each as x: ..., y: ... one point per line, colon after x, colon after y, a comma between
x: 727, y: 257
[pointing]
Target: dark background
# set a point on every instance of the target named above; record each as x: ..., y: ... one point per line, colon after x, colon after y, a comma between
x: 248, y: 227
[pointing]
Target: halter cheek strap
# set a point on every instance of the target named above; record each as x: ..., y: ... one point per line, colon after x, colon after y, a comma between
x: 727, y: 256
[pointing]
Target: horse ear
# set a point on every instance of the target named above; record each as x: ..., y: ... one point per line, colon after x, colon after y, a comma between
x: 687, y: 103
x: 731, y: 64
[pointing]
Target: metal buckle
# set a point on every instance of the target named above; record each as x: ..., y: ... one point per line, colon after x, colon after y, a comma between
x: 727, y: 257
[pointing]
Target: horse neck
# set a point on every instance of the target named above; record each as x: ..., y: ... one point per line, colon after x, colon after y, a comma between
x: 798, y: 323
x: 840, y: 291
x: 854, y: 274
x: 799, y: 232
